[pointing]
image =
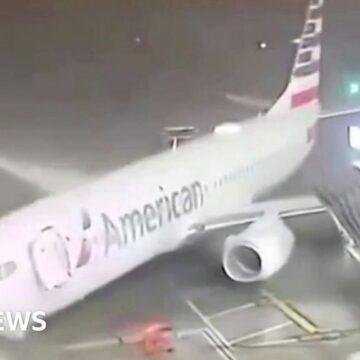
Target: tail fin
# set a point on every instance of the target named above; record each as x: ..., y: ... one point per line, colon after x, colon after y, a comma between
x: 303, y: 86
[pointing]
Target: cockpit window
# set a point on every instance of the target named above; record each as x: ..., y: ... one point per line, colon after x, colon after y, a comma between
x: 7, y: 269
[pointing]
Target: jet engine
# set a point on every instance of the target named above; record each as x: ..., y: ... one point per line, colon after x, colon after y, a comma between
x: 258, y: 252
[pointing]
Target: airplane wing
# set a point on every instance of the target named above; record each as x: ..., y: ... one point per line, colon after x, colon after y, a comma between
x: 23, y: 182
x: 46, y: 178
x: 284, y: 208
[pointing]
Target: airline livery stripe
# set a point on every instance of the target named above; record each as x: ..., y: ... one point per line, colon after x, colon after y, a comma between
x: 315, y: 14
x: 310, y: 28
x: 304, y: 97
x: 316, y: 3
x: 311, y: 41
x: 307, y: 69
x: 305, y: 57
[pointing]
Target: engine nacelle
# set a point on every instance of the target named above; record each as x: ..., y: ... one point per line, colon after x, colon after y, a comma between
x: 258, y: 252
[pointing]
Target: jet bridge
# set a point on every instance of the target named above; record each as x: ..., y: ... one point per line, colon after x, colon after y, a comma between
x: 344, y: 209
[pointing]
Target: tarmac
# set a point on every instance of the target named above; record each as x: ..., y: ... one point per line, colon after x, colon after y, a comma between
x: 310, y: 308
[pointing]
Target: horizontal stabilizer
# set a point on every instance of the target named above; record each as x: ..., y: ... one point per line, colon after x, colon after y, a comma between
x: 248, y: 101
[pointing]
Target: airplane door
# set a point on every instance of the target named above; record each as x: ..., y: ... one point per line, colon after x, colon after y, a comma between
x: 50, y: 259
x: 79, y: 243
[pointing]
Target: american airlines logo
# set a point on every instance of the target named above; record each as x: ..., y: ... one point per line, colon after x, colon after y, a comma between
x: 22, y: 321
x: 152, y: 215
x: 56, y: 257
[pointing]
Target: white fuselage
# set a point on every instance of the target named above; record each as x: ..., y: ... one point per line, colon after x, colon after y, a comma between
x: 142, y: 210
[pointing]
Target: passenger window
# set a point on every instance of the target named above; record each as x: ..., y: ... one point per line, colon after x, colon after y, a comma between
x: 7, y: 269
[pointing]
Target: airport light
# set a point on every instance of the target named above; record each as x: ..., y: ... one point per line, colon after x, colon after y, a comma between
x: 262, y: 45
x: 351, y: 86
x: 354, y: 88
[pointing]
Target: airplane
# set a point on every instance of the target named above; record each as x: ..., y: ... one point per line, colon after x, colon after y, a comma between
x: 57, y: 250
